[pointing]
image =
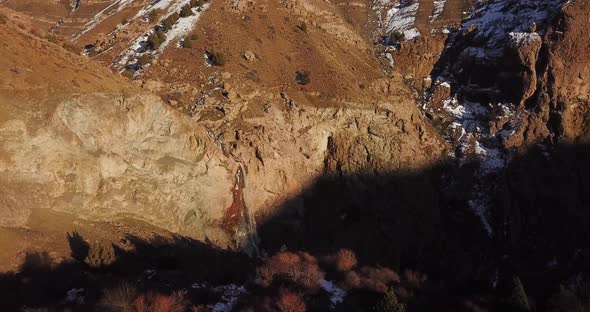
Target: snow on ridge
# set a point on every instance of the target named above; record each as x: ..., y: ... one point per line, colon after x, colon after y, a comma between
x: 102, y: 15
x: 439, y: 6
x: 402, y: 18
x: 494, y: 25
x: 496, y: 19
x: 181, y: 28
x: 469, y: 129
x: 519, y: 39
x: 169, y: 6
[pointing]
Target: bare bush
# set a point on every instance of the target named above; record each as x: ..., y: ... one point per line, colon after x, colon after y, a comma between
x: 156, y: 302
x: 299, y: 268
x: 413, y: 279
x: 290, y: 301
x: 371, y: 278
x: 345, y: 260
x: 120, y: 298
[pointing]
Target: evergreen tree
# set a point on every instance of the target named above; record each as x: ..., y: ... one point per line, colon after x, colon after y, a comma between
x: 565, y: 301
x: 518, y: 299
x: 389, y: 303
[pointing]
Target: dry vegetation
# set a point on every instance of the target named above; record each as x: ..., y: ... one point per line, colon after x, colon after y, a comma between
x: 345, y: 260
x: 298, y: 268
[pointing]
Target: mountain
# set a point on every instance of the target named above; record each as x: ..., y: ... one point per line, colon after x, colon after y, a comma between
x: 335, y: 139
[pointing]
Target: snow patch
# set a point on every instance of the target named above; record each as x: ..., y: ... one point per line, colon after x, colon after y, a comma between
x: 496, y: 19
x: 230, y: 295
x: 75, y: 295
x: 439, y: 6
x: 402, y: 18
x: 519, y: 39
x: 337, y: 294
x: 181, y: 28
x: 107, y: 12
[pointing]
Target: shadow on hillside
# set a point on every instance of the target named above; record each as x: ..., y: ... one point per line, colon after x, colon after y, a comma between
x: 407, y: 219
x: 160, y: 264
x: 422, y: 220
x: 413, y: 219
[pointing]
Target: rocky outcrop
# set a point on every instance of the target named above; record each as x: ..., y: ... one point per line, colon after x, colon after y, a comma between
x: 100, y: 152
x: 565, y: 85
x: 104, y: 157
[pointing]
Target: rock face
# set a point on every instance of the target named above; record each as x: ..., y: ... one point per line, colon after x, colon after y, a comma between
x: 105, y: 154
x: 495, y: 60
x: 509, y: 92
x: 104, y: 158
x: 566, y: 77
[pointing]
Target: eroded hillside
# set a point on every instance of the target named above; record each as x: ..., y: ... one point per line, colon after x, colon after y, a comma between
x: 439, y: 136
x: 104, y: 148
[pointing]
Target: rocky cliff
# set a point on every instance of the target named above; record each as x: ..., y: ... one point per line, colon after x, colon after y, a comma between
x: 89, y: 143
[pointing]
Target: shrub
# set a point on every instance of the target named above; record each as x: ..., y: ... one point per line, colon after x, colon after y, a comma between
x: 345, y: 260
x: 70, y: 47
x: 100, y: 255
x: 125, y: 21
x: 169, y: 21
x: 290, y: 302
x: 3, y: 19
x: 396, y: 37
x: 120, y: 298
x: 156, y: 302
x: 194, y: 37
x: 156, y: 39
x: 196, y: 3
x: 155, y: 14
x: 186, y: 11
x: 144, y: 59
x: 299, y: 268
x: 187, y: 43
x: 302, y: 77
x: 216, y: 58
x: 53, y: 39
x: 302, y: 26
